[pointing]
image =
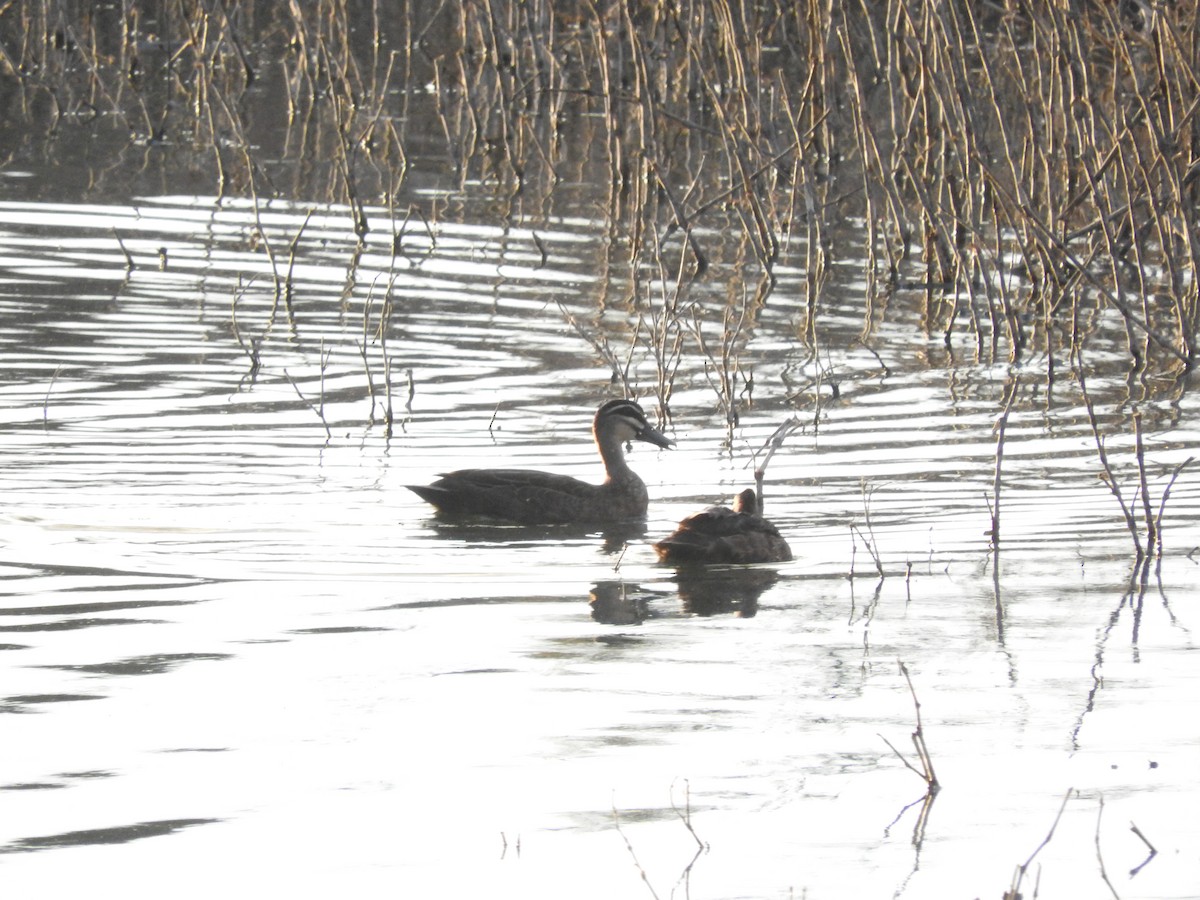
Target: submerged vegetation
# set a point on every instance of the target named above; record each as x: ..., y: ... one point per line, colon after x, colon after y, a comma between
x: 1030, y: 172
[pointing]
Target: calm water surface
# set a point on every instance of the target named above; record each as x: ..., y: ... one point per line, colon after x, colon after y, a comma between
x: 239, y: 657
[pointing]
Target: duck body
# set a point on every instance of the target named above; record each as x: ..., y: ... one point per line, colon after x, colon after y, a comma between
x: 530, y: 497
x: 534, y: 498
x: 720, y: 535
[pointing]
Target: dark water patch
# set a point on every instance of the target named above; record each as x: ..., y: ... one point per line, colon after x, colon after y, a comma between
x: 154, y: 664
x: 619, y: 640
x: 482, y: 600
x: 32, y: 786
x: 96, y: 577
x: 338, y: 629
x: 71, y: 609
x: 484, y: 532
x: 121, y: 834
x: 583, y: 745
x: 197, y: 750
x: 708, y: 592
x: 124, y: 581
x: 75, y: 624
x: 600, y: 820
x: 20, y: 703
x: 14, y: 646
x: 620, y: 603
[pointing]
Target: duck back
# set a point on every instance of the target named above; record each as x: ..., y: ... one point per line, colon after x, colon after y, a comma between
x: 720, y: 535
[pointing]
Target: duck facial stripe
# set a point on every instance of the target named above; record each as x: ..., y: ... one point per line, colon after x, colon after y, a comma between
x: 636, y: 424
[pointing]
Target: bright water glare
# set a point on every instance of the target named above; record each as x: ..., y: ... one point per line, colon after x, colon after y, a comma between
x: 240, y: 659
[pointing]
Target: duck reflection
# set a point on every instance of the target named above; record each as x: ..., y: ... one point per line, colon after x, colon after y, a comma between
x: 710, y: 591
x: 477, y: 530
x: 619, y: 603
x: 703, y: 591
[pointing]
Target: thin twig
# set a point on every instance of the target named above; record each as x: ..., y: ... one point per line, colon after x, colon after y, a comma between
x: 869, y: 537
x: 288, y: 286
x: 1153, y: 850
x: 772, y: 445
x: 685, y: 815
x: 999, y: 429
x: 1162, y: 504
x: 1014, y: 892
x: 1099, y: 854
x: 633, y: 854
x: 46, y: 400
x: 918, y: 738
x: 919, y: 735
x: 129, y: 263
x: 320, y: 413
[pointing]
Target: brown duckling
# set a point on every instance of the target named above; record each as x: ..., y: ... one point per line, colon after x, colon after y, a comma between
x: 723, y: 535
x: 545, y: 498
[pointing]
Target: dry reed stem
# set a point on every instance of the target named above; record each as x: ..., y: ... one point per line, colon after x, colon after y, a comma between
x: 1031, y: 167
x: 1099, y: 854
x: 1150, y: 847
x: 46, y: 400
x: 918, y: 738
x: 1108, y: 475
x: 1014, y: 891
x: 632, y: 853
x: 999, y: 430
x: 318, y: 408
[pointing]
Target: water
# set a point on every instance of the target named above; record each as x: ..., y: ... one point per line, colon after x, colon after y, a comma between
x: 239, y: 657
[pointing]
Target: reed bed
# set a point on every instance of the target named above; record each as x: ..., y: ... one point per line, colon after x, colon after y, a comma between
x: 1032, y: 164
x: 1033, y: 170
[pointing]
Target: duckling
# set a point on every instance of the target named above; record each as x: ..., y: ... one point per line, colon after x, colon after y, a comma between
x: 723, y: 535
x: 545, y: 498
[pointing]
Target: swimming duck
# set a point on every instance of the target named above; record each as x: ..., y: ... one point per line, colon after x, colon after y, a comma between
x: 723, y: 535
x: 544, y: 498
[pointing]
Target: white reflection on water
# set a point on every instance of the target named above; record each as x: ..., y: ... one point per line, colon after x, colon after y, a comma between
x: 239, y: 657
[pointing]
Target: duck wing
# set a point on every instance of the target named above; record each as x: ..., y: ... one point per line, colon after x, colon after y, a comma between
x: 517, y: 495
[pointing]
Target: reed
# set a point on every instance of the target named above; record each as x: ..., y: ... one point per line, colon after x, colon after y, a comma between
x: 1014, y: 890
x: 866, y: 533
x: 1016, y: 153
x: 997, y: 481
x: 317, y: 407
x: 683, y: 881
x: 1146, y: 535
x: 925, y: 771
x: 1034, y: 168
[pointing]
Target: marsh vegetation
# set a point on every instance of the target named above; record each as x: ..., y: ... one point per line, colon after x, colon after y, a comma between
x: 1034, y: 171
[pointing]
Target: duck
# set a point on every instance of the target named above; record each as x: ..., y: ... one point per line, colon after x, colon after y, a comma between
x: 720, y: 535
x: 530, y: 497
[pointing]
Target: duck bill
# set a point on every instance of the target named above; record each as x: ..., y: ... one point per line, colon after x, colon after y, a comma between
x: 656, y: 437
